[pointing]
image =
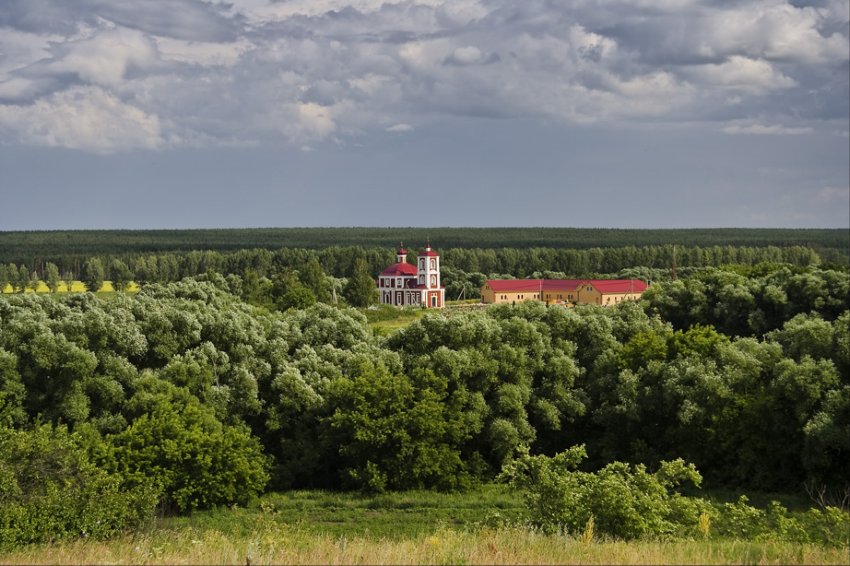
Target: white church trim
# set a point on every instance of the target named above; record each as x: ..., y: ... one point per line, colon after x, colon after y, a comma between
x: 403, y: 284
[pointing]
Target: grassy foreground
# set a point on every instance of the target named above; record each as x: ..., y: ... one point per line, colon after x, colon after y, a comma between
x: 284, y: 544
x: 311, y: 527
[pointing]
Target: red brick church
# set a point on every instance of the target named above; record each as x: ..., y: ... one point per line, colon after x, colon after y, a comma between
x: 403, y: 284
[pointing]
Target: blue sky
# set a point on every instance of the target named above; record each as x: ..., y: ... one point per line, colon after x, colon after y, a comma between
x: 620, y: 113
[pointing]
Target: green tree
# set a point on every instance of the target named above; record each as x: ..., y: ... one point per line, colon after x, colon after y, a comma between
x: 121, y: 275
x: 315, y: 279
x: 5, y: 279
x: 93, y: 274
x: 360, y: 290
x: 68, y: 279
x: 396, y: 433
x: 191, y: 456
x: 12, y: 391
x: 24, y: 279
x: 805, y: 334
x: 50, y: 490
x: 51, y: 277
x: 288, y: 292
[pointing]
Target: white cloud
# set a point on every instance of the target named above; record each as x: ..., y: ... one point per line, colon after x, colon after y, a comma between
x: 204, y: 53
x: 467, y: 55
x: 773, y: 30
x: 86, y: 118
x: 19, y: 49
x: 740, y: 73
x: 763, y: 130
x: 103, y: 59
x: 834, y: 196
x: 399, y: 128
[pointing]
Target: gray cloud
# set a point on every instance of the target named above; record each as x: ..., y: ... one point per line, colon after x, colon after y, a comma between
x: 192, y: 20
x: 304, y: 71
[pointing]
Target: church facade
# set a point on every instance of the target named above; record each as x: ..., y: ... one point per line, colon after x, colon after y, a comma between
x: 404, y: 284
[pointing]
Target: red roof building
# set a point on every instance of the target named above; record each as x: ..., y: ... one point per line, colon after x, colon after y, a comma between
x: 563, y: 291
x: 404, y: 284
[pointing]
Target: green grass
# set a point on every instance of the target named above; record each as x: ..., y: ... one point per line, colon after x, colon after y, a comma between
x: 389, y: 515
x: 386, y: 319
x: 482, y: 526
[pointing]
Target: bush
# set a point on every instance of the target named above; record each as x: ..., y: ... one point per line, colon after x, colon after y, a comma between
x: 621, y: 500
x: 830, y: 526
x: 196, y: 461
x: 49, y: 490
x: 626, y: 501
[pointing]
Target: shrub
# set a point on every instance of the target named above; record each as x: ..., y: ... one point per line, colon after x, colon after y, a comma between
x: 622, y: 500
x: 49, y: 490
x: 197, y: 461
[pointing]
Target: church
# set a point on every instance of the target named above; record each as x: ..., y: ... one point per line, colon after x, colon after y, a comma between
x: 403, y: 284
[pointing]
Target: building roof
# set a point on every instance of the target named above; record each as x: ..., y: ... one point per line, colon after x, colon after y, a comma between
x: 604, y: 286
x: 514, y: 285
x: 429, y: 253
x: 609, y: 286
x: 400, y: 269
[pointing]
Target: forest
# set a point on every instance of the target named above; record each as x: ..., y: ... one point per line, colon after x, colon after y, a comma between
x: 229, y: 375
x: 69, y: 246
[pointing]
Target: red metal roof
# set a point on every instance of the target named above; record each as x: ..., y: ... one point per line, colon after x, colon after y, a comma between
x: 402, y: 268
x: 429, y: 253
x: 604, y: 286
x: 513, y: 285
x: 609, y: 286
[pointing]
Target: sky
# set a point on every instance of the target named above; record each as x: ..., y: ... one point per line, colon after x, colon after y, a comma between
x: 260, y: 113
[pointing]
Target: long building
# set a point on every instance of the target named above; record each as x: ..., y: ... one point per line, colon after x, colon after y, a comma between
x: 563, y: 291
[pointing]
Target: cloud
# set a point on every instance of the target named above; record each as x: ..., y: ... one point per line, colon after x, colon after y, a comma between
x: 307, y: 71
x: 467, y: 55
x: 399, y: 128
x: 740, y: 73
x: 762, y: 130
x: 103, y: 59
x: 85, y: 118
x: 834, y: 196
x: 183, y: 19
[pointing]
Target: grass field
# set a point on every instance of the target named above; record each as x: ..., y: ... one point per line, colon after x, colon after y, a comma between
x: 385, y: 319
x: 76, y: 287
x: 311, y: 527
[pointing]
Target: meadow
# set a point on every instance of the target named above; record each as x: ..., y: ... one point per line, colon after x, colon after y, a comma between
x: 483, y: 526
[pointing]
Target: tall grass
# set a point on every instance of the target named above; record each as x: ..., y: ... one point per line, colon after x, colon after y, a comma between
x: 315, y: 527
x: 277, y: 544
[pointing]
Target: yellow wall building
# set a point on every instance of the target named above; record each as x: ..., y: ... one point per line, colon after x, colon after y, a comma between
x: 562, y: 291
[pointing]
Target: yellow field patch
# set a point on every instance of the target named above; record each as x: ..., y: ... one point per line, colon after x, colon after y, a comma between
x: 76, y: 287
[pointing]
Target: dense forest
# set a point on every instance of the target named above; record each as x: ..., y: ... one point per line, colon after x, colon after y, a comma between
x: 36, y: 248
x: 213, y: 389
x: 464, y: 270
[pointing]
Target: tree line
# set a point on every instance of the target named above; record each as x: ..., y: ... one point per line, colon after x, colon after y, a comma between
x: 464, y: 270
x: 41, y: 247
x: 184, y: 396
